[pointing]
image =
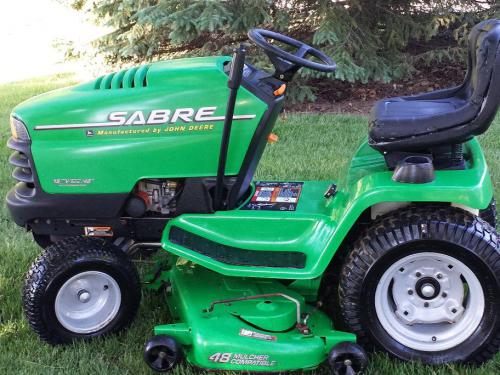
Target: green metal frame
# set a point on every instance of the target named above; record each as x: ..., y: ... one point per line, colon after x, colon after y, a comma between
x: 319, y: 225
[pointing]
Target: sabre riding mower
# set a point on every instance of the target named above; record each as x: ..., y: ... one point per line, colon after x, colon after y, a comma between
x: 400, y: 255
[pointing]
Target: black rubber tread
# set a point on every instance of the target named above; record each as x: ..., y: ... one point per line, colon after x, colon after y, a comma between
x: 328, y: 292
x: 489, y: 214
x: 445, y: 225
x: 58, y: 263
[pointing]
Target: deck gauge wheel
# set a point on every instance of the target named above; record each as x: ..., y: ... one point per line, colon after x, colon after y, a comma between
x: 162, y: 353
x: 347, y: 358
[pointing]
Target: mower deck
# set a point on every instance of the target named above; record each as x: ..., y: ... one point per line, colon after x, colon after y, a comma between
x: 258, y: 334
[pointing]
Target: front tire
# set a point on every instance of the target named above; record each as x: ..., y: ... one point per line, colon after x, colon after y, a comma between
x: 424, y: 284
x: 80, y: 288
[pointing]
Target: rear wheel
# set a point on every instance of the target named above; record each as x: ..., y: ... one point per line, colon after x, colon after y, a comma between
x: 423, y: 284
x: 80, y: 288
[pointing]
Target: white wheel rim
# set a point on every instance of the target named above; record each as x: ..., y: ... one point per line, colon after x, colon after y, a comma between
x: 88, y: 302
x: 429, y: 301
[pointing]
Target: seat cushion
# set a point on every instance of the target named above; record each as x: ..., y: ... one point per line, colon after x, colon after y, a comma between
x: 404, y: 117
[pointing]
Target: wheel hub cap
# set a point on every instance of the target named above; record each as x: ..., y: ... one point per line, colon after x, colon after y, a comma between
x: 426, y: 306
x: 429, y: 301
x: 87, y: 302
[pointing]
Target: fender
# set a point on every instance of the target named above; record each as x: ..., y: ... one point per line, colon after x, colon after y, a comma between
x: 318, y: 227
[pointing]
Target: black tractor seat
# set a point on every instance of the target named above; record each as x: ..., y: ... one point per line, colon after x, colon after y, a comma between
x: 440, y: 121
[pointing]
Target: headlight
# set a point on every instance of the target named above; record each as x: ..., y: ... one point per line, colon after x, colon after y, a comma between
x: 18, y: 129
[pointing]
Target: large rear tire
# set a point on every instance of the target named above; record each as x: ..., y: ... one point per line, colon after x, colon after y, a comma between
x: 80, y: 288
x: 424, y: 284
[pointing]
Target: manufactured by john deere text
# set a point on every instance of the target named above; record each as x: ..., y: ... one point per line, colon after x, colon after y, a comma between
x: 402, y: 253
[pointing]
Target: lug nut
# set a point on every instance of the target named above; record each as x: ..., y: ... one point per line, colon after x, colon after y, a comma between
x: 439, y: 276
x: 444, y: 295
x: 434, y: 338
x: 410, y: 292
x: 426, y: 304
x: 418, y: 274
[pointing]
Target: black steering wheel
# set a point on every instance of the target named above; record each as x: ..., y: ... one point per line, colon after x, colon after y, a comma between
x: 286, y: 63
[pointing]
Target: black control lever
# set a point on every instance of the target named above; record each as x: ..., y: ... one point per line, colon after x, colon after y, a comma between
x: 234, y: 81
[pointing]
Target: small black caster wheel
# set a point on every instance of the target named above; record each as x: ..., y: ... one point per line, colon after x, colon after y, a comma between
x: 347, y: 358
x: 162, y: 353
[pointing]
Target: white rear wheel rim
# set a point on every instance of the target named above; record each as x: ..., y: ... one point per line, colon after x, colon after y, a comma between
x: 88, y: 302
x: 429, y: 301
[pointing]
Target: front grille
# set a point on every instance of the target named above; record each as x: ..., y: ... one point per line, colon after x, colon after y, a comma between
x: 236, y: 256
x: 20, y: 160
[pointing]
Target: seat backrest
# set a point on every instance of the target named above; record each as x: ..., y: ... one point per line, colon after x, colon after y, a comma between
x: 482, y: 82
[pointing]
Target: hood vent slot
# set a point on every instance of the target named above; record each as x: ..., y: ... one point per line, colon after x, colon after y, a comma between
x: 136, y: 77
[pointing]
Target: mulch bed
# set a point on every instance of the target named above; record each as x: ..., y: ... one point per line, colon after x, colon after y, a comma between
x: 358, y: 98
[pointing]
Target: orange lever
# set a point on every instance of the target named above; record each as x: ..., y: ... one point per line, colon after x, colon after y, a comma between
x: 280, y: 90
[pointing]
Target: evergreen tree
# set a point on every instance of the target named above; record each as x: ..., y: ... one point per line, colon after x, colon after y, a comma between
x: 369, y: 39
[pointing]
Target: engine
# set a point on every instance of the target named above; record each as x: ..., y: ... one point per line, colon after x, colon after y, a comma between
x: 154, y: 197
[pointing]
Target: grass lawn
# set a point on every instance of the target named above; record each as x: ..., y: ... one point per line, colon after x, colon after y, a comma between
x: 310, y: 147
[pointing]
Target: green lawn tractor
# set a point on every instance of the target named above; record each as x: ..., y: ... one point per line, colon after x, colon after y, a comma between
x: 400, y: 255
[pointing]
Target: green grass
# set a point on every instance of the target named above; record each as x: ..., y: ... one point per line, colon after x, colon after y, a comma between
x: 310, y: 147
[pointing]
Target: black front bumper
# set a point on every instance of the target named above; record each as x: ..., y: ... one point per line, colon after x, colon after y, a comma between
x: 27, y: 201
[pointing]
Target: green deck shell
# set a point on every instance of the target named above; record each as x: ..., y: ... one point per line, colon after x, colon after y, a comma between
x: 205, y: 335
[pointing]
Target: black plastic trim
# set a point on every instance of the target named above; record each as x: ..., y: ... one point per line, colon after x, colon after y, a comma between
x: 234, y: 255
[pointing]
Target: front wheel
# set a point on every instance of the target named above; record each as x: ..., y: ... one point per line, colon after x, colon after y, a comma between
x: 80, y: 288
x: 424, y: 285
